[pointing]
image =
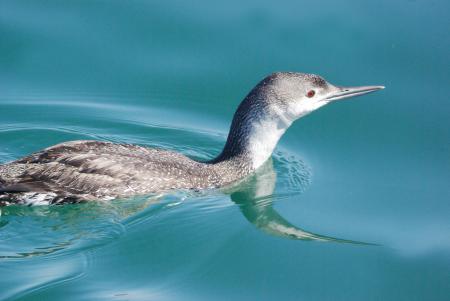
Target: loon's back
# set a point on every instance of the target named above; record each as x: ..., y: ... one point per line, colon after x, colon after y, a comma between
x: 92, y: 170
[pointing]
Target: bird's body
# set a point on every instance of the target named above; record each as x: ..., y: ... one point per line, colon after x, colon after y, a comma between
x: 93, y: 170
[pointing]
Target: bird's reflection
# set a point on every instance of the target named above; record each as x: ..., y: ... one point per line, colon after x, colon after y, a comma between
x: 69, y: 228
x: 254, y: 196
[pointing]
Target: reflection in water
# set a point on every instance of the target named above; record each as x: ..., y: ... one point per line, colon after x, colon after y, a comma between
x: 52, y: 243
x: 45, y: 230
x: 255, y: 199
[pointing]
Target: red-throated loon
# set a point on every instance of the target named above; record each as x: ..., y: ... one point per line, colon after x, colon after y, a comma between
x: 92, y: 170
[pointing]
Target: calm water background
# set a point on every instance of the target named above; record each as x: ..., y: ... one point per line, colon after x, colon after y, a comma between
x: 373, y: 170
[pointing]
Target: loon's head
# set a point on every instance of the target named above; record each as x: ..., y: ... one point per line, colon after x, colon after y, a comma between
x: 273, y: 105
x: 289, y: 95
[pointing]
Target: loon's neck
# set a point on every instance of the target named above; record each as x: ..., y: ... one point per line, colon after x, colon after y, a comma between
x: 254, y: 133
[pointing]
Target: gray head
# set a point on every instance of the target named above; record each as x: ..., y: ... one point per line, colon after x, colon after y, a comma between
x: 272, y: 106
x: 289, y: 95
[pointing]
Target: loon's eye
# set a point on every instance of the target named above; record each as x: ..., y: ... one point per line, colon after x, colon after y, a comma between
x: 310, y: 93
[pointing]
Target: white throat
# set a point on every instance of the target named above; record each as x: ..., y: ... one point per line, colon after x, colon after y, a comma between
x: 265, y: 133
x: 264, y: 136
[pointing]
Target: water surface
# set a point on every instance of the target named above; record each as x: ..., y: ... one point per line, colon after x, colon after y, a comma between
x: 353, y: 206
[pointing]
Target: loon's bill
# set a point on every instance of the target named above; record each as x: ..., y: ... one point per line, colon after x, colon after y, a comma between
x: 346, y: 92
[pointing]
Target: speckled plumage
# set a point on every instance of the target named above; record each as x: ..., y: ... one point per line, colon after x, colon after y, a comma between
x: 93, y: 170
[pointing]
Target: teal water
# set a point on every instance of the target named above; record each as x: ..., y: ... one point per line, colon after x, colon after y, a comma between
x: 354, y: 205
